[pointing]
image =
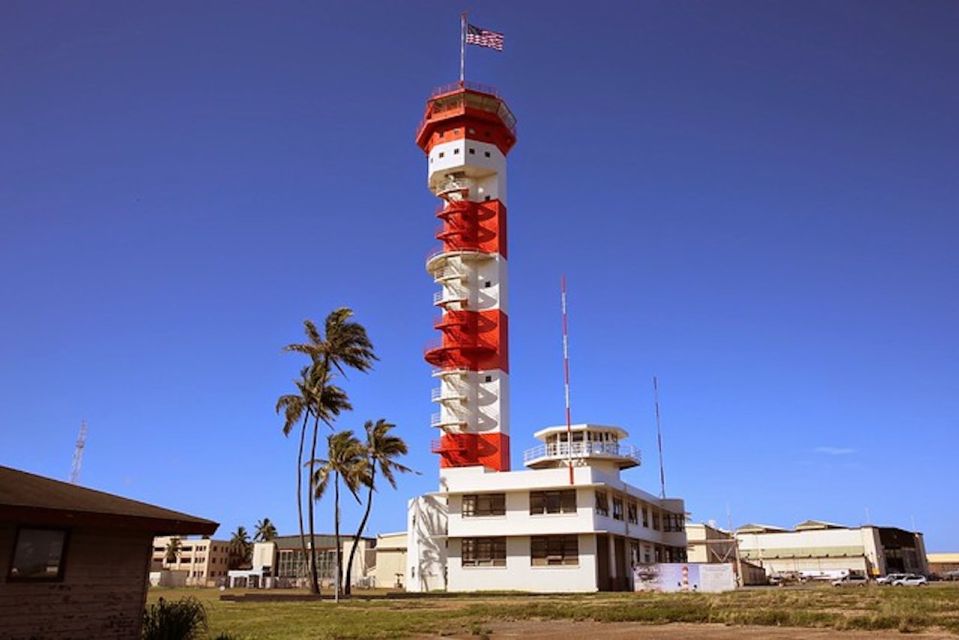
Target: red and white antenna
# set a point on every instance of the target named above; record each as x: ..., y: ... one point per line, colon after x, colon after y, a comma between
x: 569, y: 420
x: 659, y: 440
x: 78, y: 453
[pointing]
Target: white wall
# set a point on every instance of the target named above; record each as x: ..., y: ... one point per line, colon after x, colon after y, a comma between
x: 487, y: 173
x: 426, y: 544
x: 520, y: 575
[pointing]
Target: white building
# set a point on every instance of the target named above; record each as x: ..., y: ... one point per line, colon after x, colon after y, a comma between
x: 536, y: 530
x: 817, y: 547
x: 196, y: 561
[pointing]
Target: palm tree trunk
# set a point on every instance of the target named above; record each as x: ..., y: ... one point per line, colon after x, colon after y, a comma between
x: 336, y: 525
x: 347, y: 588
x: 299, y: 483
x: 314, y: 574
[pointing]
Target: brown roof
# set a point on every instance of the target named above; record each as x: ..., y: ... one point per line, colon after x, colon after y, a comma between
x: 31, y: 499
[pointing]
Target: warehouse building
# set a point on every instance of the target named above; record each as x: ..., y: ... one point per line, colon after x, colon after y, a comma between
x: 817, y: 546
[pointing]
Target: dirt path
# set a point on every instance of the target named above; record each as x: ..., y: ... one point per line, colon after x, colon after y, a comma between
x: 548, y: 630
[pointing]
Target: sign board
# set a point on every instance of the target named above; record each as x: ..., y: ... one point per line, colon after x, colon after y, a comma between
x: 684, y: 577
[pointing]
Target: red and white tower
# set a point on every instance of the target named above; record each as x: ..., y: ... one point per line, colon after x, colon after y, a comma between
x: 466, y: 133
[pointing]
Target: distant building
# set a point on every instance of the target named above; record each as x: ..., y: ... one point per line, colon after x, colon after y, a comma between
x: 282, y: 560
x: 942, y: 563
x: 390, y: 560
x: 712, y: 545
x: 815, y: 545
x: 73, y: 561
x: 202, y: 561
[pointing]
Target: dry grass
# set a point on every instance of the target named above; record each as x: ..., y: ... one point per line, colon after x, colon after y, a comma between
x: 375, y: 616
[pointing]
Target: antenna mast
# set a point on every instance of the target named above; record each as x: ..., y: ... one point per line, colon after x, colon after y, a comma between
x: 78, y: 453
x: 569, y: 421
x: 659, y: 440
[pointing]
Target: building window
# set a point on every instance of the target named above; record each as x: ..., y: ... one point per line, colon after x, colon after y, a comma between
x: 488, y: 284
x: 617, y: 508
x: 487, y: 199
x: 472, y: 151
x: 484, y: 552
x: 541, y: 502
x: 489, y: 378
x: 484, y: 504
x: 602, y: 503
x: 456, y: 152
x: 655, y: 520
x: 550, y: 551
x: 631, y: 512
x: 442, y: 154
x: 38, y: 554
x: 486, y: 153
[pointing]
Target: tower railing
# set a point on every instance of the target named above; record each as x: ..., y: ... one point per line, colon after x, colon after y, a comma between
x: 582, y: 450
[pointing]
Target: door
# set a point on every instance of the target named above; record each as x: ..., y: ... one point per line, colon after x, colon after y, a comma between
x: 602, y: 563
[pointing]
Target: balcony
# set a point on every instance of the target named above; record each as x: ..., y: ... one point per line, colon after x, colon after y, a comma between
x: 625, y: 455
x: 449, y: 422
x: 448, y: 296
x: 446, y: 394
x: 439, y: 258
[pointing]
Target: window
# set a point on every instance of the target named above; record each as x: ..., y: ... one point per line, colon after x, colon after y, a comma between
x: 489, y: 378
x: 484, y: 552
x: 549, y: 551
x: 38, y: 554
x: 552, y: 502
x: 617, y: 508
x: 631, y: 512
x: 645, y: 517
x: 655, y: 520
x: 456, y: 152
x: 488, y: 284
x: 484, y: 504
x: 602, y: 503
x: 442, y: 154
x: 486, y: 153
x: 472, y: 152
x: 487, y: 199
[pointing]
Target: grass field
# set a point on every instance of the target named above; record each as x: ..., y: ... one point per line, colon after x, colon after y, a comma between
x: 893, y: 608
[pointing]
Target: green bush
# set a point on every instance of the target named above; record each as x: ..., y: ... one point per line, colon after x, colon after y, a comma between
x: 181, y: 620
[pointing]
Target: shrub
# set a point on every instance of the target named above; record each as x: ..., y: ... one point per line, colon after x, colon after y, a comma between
x: 181, y: 620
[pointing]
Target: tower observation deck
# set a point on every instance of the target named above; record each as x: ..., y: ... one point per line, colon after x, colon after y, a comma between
x: 467, y: 132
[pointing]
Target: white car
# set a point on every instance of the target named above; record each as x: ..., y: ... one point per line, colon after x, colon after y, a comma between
x: 891, y: 577
x: 910, y: 581
x: 851, y: 581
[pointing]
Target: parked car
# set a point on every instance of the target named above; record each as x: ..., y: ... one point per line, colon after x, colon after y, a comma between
x: 851, y: 581
x: 910, y: 581
x: 950, y: 575
x: 889, y: 578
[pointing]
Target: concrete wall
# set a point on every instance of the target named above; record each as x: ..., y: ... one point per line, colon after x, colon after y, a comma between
x: 426, y: 544
x: 101, y: 596
x: 522, y: 576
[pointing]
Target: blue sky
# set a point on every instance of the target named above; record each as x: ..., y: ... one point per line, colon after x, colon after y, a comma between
x: 754, y: 201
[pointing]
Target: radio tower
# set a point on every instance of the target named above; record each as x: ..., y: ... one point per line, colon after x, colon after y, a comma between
x: 78, y: 453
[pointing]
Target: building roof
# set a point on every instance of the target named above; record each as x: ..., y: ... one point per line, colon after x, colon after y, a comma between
x: 31, y: 499
x: 320, y: 540
x: 760, y: 528
x: 818, y: 524
x: 942, y: 557
x: 583, y: 426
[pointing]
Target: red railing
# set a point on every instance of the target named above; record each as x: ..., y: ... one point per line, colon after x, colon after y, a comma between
x: 435, y: 109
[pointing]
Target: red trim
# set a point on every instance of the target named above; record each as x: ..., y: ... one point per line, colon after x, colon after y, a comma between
x: 490, y: 450
x: 477, y: 226
x: 474, y: 340
x: 451, y: 115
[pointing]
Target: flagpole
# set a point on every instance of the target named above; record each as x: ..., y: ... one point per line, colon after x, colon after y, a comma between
x: 463, y: 49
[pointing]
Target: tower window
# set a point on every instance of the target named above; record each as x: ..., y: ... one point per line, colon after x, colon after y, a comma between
x: 486, y: 153
x: 456, y: 152
x: 472, y: 151
x: 442, y: 154
x: 489, y: 378
x: 486, y: 199
x: 472, y: 130
x: 488, y: 284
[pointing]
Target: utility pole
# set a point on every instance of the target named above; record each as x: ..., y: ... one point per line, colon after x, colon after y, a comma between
x: 78, y: 453
x: 659, y: 440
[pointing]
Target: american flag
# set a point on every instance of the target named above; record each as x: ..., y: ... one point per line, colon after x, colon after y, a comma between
x: 484, y: 37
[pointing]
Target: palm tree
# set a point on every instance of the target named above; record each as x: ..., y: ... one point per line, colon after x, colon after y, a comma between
x: 381, y: 449
x: 172, y: 551
x: 344, y: 345
x: 265, y: 531
x: 346, y: 461
x: 239, y: 548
